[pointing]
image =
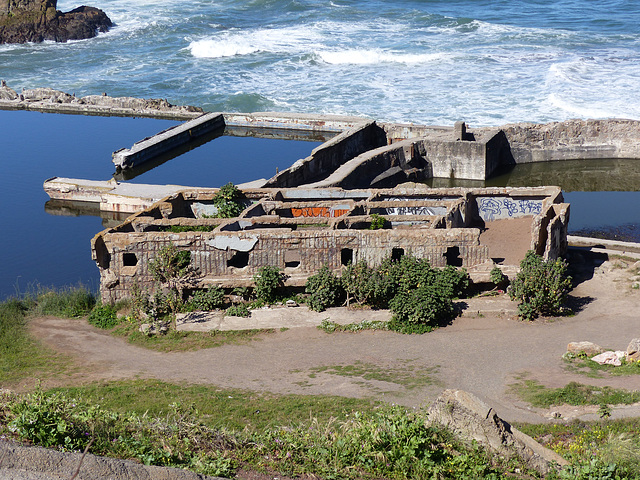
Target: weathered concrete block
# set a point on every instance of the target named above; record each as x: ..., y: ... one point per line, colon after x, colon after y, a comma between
x: 473, y: 420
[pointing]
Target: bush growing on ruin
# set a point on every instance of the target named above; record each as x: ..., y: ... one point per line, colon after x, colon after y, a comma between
x: 268, y: 281
x: 172, y: 270
x: 325, y: 290
x: 229, y: 201
x: 206, y: 300
x: 420, y: 310
x: 377, y: 222
x: 541, y: 286
x: 497, y: 277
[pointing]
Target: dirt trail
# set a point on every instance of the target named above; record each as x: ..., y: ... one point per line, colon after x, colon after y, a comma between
x: 481, y: 355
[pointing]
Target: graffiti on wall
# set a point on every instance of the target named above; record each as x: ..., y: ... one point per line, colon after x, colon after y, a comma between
x: 416, y: 211
x: 492, y: 208
x: 318, y: 212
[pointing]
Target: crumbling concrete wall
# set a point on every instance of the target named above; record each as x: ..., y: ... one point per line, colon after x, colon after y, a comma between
x: 400, y: 161
x: 233, y: 258
x: 329, y: 156
x: 573, y: 139
x: 300, y: 230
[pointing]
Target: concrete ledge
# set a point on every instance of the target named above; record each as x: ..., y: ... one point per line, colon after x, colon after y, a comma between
x: 20, y: 462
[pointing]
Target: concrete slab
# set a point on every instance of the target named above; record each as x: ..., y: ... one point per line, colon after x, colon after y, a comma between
x: 291, y: 317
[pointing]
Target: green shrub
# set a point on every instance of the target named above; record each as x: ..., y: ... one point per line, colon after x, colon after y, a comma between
x: 377, y: 222
x: 541, y: 286
x: 366, y: 285
x: 239, y: 310
x: 206, y: 300
x: 103, y: 316
x: 451, y: 282
x: 229, y: 201
x: 324, y: 288
x: 420, y: 310
x: 268, y: 281
x: 497, y: 277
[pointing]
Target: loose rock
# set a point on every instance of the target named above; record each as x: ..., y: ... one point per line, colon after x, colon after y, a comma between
x: 588, y: 348
x: 633, y: 350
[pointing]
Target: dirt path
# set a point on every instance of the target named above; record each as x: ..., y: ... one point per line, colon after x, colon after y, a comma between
x: 481, y: 355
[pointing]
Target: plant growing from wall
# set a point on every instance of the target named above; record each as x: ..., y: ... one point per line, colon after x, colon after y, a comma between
x: 497, y: 277
x: 541, y: 286
x: 172, y: 271
x: 377, y: 222
x: 325, y: 290
x: 268, y: 281
x: 229, y: 201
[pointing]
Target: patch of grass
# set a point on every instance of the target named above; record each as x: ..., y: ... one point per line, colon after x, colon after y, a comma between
x: 329, y: 326
x: 180, y: 341
x: 572, y: 394
x: 218, y: 408
x: 609, y: 441
x: 409, y: 376
x: 589, y: 368
x: 21, y: 356
x: 69, y: 302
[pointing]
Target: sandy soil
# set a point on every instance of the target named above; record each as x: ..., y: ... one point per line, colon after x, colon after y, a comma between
x: 481, y: 353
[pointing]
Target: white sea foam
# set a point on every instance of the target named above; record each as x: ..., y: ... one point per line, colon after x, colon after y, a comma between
x: 371, y: 57
x: 583, y: 108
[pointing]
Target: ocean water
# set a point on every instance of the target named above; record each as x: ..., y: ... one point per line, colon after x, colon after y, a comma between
x: 424, y: 61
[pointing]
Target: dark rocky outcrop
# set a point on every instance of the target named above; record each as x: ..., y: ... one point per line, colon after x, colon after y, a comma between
x: 24, y: 21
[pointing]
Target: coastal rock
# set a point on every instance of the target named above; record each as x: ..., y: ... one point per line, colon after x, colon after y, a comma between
x: 633, y: 350
x: 7, y: 93
x: 24, y: 21
x: 588, y: 348
x: 473, y: 420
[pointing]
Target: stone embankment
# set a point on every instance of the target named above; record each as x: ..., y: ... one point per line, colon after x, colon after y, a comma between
x: 24, y: 21
x: 55, y: 101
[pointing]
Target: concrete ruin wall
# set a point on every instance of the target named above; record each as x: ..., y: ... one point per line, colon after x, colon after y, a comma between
x: 573, y: 140
x: 330, y: 155
x: 299, y: 231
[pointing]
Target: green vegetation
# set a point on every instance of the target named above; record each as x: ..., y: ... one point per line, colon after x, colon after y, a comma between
x: 205, y: 300
x: 240, y: 310
x: 541, y: 286
x: 22, y: 357
x: 179, y: 341
x: 229, y: 201
x: 269, y: 280
x: 388, y: 442
x: 330, y: 327
x: 70, y: 302
x: 583, y: 365
x: 607, y: 449
x: 324, y: 290
x: 377, y: 222
x: 408, y: 376
x: 572, y: 394
x: 229, y: 409
x: 103, y: 316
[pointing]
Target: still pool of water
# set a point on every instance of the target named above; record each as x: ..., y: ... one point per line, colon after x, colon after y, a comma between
x: 43, y: 244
